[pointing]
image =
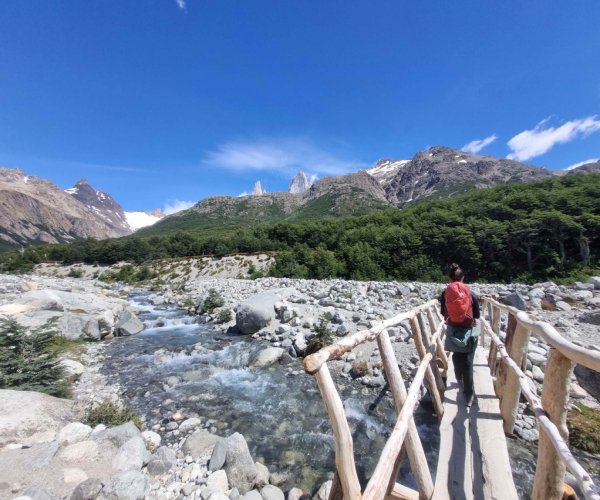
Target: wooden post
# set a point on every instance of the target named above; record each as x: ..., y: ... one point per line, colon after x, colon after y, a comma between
x: 440, y: 354
x: 414, y: 448
x: 502, y: 369
x: 550, y: 470
x: 429, y: 376
x: 344, y: 450
x: 512, y: 388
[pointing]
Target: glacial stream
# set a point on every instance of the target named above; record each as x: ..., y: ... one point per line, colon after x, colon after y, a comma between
x: 179, y: 365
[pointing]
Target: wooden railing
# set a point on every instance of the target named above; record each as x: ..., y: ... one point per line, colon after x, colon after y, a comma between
x: 427, y: 328
x: 507, y: 360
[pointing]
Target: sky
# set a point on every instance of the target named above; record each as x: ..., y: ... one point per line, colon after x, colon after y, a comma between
x: 164, y: 102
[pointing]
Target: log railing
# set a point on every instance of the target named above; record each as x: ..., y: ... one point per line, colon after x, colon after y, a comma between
x: 508, y: 361
x: 427, y: 328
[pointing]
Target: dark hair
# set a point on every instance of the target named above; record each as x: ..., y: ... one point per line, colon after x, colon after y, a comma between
x: 455, y: 272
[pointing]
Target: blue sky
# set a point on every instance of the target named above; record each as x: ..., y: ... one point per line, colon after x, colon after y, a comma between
x: 166, y: 101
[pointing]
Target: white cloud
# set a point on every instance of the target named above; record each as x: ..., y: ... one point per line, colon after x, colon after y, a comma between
x: 284, y: 156
x: 542, y: 138
x: 181, y: 4
x: 477, y: 145
x: 575, y: 165
x: 173, y: 206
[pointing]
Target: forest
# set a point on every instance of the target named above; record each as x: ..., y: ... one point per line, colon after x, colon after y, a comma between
x: 549, y: 229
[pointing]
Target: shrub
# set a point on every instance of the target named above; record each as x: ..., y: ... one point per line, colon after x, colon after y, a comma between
x: 323, y: 337
x: 110, y: 414
x: 224, y: 315
x: 29, y: 362
x: 75, y: 273
x: 212, y: 301
x: 583, y: 423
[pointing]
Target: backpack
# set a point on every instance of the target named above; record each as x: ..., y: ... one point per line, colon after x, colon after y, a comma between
x: 459, y: 308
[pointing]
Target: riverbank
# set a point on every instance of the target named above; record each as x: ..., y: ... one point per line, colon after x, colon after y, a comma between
x: 284, y: 314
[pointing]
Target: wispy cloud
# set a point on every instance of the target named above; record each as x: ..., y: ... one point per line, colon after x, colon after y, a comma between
x: 285, y: 156
x: 575, y: 165
x: 478, y: 144
x: 181, y: 4
x: 542, y: 138
x: 173, y: 206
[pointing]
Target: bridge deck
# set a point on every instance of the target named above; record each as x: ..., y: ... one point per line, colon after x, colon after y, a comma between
x: 473, y: 460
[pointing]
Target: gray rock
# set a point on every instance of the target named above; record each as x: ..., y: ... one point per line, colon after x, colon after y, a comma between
x: 44, y: 300
x: 262, y: 476
x: 342, y: 330
x: 128, y: 324
x: 74, y: 432
x: 217, y: 481
x: 252, y: 495
x: 73, y: 370
x: 151, y: 439
x: 324, y: 491
x: 37, y: 494
x: 595, y: 280
x: 87, y: 490
x: 537, y: 373
x: 516, y: 300
x: 265, y: 357
x: 295, y: 494
x: 256, y: 312
x: 161, y: 462
x: 119, y: 435
x: 189, y: 424
x: 561, y: 305
x: 592, y: 318
x: 270, y: 492
x: 219, y: 454
x: 132, y: 455
x: 239, y: 465
x: 536, y: 358
x: 130, y: 485
x: 200, y: 443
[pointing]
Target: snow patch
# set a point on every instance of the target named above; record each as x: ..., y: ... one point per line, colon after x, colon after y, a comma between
x: 137, y: 220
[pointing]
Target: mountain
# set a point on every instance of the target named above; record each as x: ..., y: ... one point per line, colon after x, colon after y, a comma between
x: 103, y: 205
x: 588, y: 168
x: 441, y: 172
x: 34, y: 210
x: 299, y: 183
x: 351, y: 194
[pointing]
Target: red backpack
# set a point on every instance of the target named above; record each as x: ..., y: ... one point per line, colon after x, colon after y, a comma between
x: 459, y: 308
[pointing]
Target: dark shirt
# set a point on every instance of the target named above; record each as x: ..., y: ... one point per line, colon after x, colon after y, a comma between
x: 474, y: 305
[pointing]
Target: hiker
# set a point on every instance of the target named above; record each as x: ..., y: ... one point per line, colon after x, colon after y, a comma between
x: 460, y: 308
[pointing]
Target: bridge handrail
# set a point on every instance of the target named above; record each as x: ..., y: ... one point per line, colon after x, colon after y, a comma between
x: 580, y: 355
x: 554, y: 394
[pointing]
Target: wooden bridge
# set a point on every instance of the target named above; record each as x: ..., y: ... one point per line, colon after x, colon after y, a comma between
x: 473, y: 458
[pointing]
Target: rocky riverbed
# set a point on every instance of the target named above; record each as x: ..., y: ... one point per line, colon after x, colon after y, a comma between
x: 280, y: 316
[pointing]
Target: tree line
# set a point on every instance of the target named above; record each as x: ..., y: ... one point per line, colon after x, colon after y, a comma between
x: 517, y: 232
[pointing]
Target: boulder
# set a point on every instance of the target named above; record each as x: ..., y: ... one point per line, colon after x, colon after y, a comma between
x: 252, y: 495
x: 265, y: 357
x: 516, y: 300
x: 591, y: 317
x: 42, y: 300
x: 219, y: 454
x: 74, y: 475
x: 189, y: 424
x: 200, y: 443
x: 87, y: 490
x: 217, y: 481
x: 161, y: 462
x: 132, y: 455
x: 270, y: 492
x: 595, y: 280
x: 73, y: 433
x: 130, y: 485
x: 73, y: 370
x: 128, y: 324
x: 118, y: 435
x: 295, y: 494
x: 324, y: 491
x: 239, y: 466
x: 24, y: 413
x: 151, y: 439
x: 256, y: 312
x: 83, y: 450
x: 262, y: 476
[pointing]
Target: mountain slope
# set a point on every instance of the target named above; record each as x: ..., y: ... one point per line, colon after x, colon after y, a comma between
x: 351, y: 194
x: 103, y: 205
x: 441, y: 172
x: 34, y: 210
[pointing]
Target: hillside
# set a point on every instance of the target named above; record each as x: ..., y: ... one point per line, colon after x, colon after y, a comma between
x: 536, y: 231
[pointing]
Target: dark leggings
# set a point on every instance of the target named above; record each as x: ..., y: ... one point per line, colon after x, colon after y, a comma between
x: 463, y: 369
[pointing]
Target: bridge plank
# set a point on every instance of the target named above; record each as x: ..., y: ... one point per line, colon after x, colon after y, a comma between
x: 473, y: 462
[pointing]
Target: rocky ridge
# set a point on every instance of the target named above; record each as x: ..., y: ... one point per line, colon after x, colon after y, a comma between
x: 34, y: 210
x: 442, y: 172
